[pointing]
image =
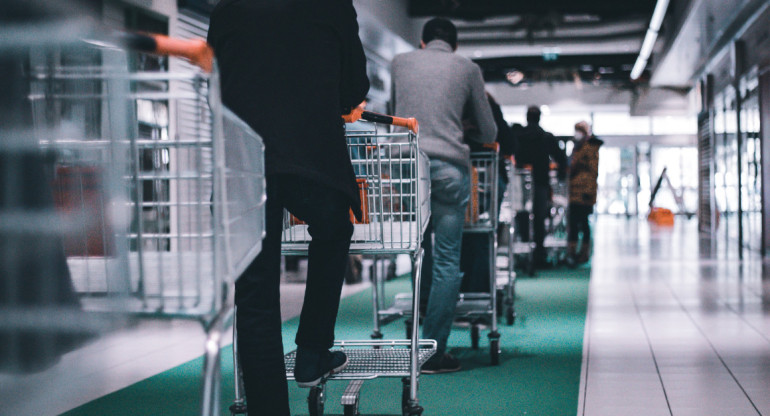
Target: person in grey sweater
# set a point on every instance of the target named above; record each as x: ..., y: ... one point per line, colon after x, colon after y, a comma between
x: 440, y: 88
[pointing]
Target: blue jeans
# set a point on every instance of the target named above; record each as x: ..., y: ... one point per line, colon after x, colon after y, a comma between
x: 450, y: 192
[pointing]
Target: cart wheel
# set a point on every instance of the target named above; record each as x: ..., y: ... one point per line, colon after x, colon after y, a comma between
x: 510, y: 315
x: 475, y: 335
x: 238, y: 409
x: 405, y: 387
x: 351, y: 409
x: 412, y: 411
x: 316, y: 399
x: 494, y: 351
x: 408, y: 325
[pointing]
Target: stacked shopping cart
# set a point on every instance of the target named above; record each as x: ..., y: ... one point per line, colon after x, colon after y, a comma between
x: 153, y: 192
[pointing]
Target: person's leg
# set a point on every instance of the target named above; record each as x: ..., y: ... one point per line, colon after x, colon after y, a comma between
x: 574, y: 223
x: 540, y: 211
x: 427, y: 267
x: 326, y: 212
x: 257, y: 296
x: 573, y: 229
x: 450, y: 191
x: 585, y: 226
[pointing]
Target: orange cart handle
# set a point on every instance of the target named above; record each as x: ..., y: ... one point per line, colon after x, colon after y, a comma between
x: 196, y: 51
x: 409, y: 123
x: 492, y: 146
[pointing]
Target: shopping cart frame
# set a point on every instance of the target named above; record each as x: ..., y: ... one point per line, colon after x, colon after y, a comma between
x: 472, y: 307
x: 128, y: 277
x: 521, y: 177
x: 383, y: 202
x: 481, y: 308
x: 555, y: 242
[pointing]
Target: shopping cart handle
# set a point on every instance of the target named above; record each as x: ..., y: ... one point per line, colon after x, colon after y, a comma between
x: 409, y: 123
x: 492, y: 146
x: 196, y: 51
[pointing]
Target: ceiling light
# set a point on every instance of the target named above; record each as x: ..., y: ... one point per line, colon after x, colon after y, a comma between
x: 650, y: 38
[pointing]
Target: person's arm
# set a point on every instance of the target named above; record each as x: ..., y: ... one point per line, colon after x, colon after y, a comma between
x: 557, y: 154
x: 504, y: 131
x: 486, y: 130
x: 392, y: 103
x: 355, y: 82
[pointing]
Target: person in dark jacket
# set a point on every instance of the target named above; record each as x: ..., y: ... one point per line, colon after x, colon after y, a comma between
x: 474, y: 261
x: 291, y: 69
x: 583, y: 173
x: 537, y: 147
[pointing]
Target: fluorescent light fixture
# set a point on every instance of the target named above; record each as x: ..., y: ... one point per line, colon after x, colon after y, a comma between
x: 650, y: 38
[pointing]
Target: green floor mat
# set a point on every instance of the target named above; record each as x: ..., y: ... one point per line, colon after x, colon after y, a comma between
x: 539, y: 372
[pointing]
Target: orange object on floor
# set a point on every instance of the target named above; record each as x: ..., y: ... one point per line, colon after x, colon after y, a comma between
x: 661, y: 216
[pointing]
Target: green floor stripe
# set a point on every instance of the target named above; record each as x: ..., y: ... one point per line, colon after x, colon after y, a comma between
x: 539, y: 373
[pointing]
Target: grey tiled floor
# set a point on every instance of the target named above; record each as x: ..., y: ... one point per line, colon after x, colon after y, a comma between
x: 676, y: 326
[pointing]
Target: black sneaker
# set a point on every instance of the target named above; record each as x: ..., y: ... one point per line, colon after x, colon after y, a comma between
x: 441, y: 364
x: 312, y: 366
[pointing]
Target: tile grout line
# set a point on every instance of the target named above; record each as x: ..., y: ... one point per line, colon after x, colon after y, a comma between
x: 586, y: 360
x: 749, y: 324
x: 652, y: 350
x: 740, y: 315
x: 713, y: 348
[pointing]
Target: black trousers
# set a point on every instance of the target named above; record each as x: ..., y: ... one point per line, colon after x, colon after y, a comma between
x: 257, y: 292
x: 540, y: 202
x: 578, y: 221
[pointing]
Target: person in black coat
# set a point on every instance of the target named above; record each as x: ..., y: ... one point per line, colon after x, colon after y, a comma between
x: 537, y: 147
x: 291, y: 69
x: 474, y: 260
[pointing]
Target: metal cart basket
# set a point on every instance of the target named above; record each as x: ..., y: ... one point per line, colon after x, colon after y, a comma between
x: 481, y: 218
x: 158, y: 188
x: 555, y: 241
x: 394, y: 184
x: 520, y: 235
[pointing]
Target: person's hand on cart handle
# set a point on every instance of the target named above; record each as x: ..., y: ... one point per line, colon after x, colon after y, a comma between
x: 409, y: 123
x: 492, y: 146
x: 355, y: 114
x: 196, y: 51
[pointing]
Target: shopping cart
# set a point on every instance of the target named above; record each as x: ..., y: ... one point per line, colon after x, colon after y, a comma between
x: 158, y: 188
x: 520, y: 236
x: 481, y: 220
x: 394, y: 184
x: 555, y: 242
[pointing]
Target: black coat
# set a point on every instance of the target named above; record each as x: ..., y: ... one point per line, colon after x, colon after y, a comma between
x: 537, y: 147
x: 505, y: 138
x: 290, y: 69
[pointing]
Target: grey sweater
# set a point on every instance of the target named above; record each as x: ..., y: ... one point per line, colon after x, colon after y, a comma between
x: 439, y: 88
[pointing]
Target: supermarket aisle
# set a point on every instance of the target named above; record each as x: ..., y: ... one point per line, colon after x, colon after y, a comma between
x: 120, y: 359
x: 674, y: 327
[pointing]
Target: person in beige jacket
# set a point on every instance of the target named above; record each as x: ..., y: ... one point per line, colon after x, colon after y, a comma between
x: 583, y: 173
